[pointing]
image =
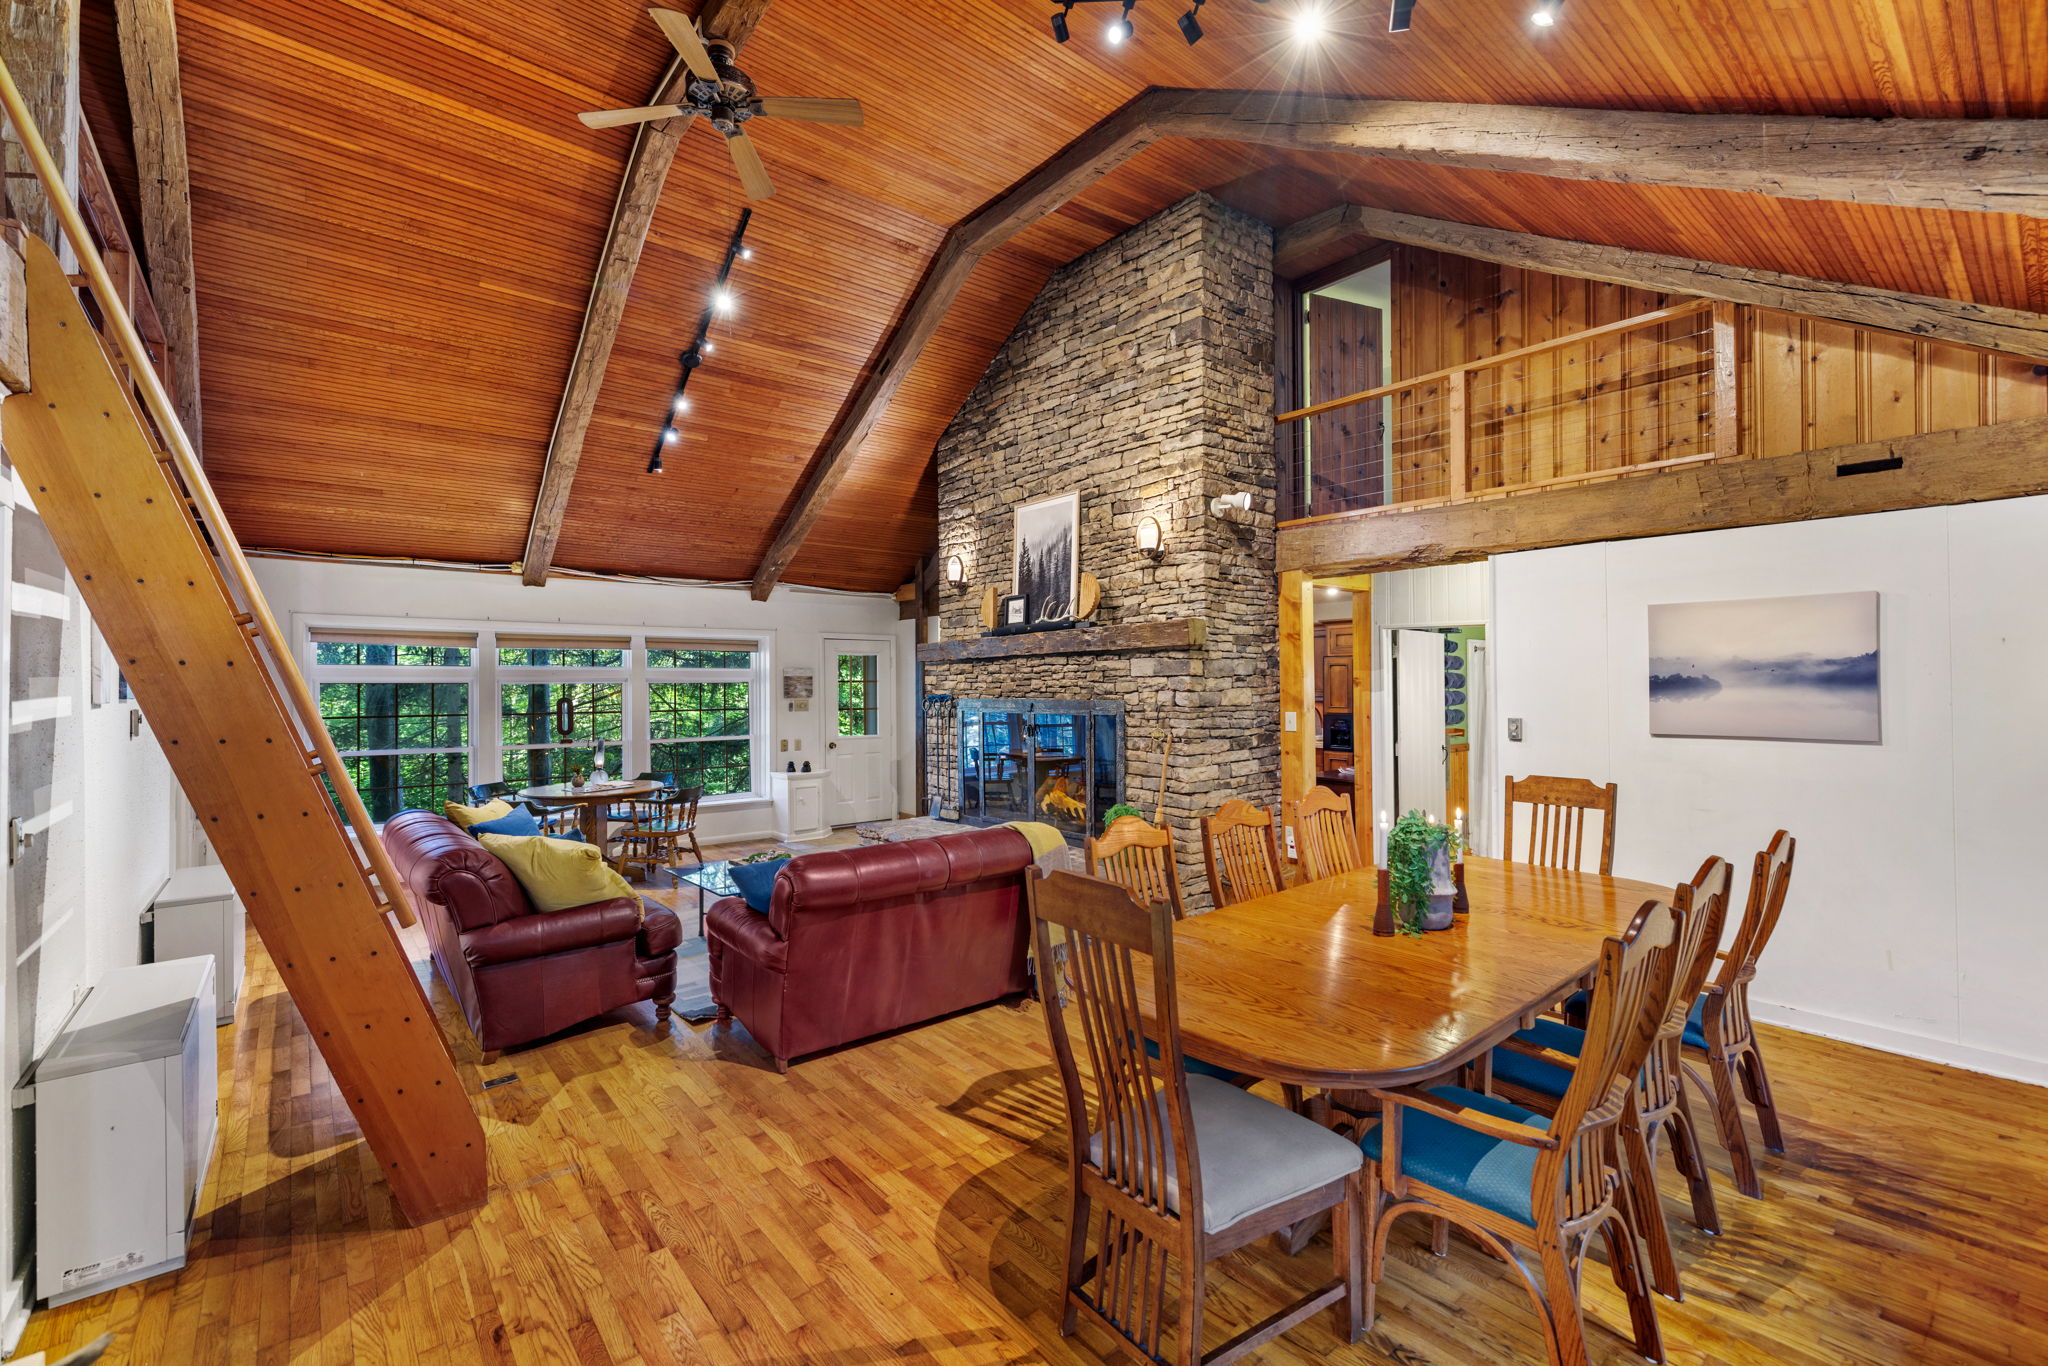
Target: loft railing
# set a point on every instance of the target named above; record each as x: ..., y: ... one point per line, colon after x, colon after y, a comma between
x: 1644, y: 393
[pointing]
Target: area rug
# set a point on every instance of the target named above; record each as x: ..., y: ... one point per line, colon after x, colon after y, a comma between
x: 693, y: 982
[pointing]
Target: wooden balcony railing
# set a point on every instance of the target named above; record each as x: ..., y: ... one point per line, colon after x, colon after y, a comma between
x: 1644, y: 393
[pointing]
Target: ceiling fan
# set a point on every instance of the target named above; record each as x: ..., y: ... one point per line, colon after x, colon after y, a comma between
x: 724, y: 95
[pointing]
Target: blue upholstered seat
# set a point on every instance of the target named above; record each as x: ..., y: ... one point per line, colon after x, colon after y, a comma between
x: 1695, y: 1023
x: 1487, y: 1171
x: 1533, y: 1074
x: 1195, y: 1066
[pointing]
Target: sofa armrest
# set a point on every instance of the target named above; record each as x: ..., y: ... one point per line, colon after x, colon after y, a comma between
x: 660, y: 932
x: 735, y: 927
x: 533, y: 936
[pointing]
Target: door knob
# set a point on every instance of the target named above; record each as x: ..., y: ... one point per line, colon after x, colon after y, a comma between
x: 833, y: 745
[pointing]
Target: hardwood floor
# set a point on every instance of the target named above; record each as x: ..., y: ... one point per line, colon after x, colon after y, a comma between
x: 666, y: 1197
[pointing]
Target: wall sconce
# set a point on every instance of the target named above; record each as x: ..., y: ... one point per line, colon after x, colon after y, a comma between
x: 956, y: 572
x: 1151, y: 538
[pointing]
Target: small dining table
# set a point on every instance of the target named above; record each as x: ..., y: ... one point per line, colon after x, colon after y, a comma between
x: 590, y: 800
x: 1295, y: 987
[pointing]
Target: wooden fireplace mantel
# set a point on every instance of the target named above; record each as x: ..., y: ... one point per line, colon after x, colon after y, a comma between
x: 1187, y: 633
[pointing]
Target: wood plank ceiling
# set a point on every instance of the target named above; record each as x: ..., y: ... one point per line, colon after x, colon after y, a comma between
x: 397, y: 218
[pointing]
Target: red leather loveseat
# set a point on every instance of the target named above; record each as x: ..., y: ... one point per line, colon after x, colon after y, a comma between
x: 857, y: 942
x: 520, y: 974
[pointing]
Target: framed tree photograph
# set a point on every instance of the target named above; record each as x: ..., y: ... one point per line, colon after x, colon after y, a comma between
x: 1047, y: 563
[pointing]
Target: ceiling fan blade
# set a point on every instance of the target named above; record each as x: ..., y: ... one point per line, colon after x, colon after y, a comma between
x: 753, y: 175
x: 846, y: 113
x: 683, y: 34
x: 614, y: 118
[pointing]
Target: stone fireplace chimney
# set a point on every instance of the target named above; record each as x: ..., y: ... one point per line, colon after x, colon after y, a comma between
x: 1141, y: 379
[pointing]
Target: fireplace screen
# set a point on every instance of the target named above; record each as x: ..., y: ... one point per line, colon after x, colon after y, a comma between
x: 1061, y: 762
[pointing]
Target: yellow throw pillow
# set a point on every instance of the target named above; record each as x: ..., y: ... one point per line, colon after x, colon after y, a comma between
x: 559, y: 874
x: 466, y: 816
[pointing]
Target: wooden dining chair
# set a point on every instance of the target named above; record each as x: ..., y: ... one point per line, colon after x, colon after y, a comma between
x: 1534, y: 1068
x: 656, y: 835
x: 1182, y: 1166
x: 1239, y: 852
x: 1720, y: 1025
x: 1557, y: 821
x: 1327, y: 834
x: 1139, y: 857
x: 1512, y: 1178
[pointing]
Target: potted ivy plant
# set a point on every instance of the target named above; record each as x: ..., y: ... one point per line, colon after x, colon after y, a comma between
x: 1117, y: 813
x: 1419, y: 881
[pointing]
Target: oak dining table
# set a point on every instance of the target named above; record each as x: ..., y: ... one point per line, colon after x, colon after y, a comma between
x: 590, y: 801
x: 1295, y: 987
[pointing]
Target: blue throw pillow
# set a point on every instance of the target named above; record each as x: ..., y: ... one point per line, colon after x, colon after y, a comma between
x: 756, y: 881
x: 518, y: 821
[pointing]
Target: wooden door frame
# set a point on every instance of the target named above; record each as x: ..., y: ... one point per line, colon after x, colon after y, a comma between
x: 887, y: 701
x: 1297, y: 660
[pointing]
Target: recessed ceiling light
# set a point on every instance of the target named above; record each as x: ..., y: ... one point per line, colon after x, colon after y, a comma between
x: 1310, y: 25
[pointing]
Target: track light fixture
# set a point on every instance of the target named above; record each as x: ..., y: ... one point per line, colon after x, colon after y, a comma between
x: 719, y: 302
x: 1060, y: 32
x: 1398, y: 18
x: 1309, y: 24
x: 1546, y: 13
x: 1123, y: 29
x: 1191, y: 24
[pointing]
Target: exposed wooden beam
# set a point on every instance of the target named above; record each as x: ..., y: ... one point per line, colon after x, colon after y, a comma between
x: 1968, y: 465
x: 39, y: 43
x: 1979, y: 165
x: 654, y: 151
x: 156, y: 107
x: 1989, y: 165
x: 1342, y: 230
x: 1079, y: 165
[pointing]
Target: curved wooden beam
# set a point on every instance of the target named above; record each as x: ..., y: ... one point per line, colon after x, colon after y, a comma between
x: 1986, y: 165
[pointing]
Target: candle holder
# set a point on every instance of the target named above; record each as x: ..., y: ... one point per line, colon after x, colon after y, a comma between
x: 1460, y: 903
x: 1383, y: 909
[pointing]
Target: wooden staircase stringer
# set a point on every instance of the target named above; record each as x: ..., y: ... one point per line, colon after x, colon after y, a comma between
x: 120, y: 516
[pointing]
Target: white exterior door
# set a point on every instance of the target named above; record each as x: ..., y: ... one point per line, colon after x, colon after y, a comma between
x: 860, y: 740
x: 1421, y: 777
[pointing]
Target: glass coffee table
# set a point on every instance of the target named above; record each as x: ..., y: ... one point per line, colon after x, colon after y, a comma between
x: 712, y: 880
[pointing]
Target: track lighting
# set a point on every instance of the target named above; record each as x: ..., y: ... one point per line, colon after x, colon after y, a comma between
x: 721, y: 302
x: 1398, y: 17
x: 669, y: 436
x: 1309, y: 25
x: 1546, y: 13
x: 1060, y: 33
x: 682, y: 403
x: 1191, y: 24
x: 708, y: 346
x: 1123, y: 29
x: 654, y: 461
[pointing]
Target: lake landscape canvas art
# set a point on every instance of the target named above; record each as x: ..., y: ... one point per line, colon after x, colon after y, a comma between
x: 1803, y: 668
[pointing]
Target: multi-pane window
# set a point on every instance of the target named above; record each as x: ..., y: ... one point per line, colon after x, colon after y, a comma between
x: 398, y: 709
x: 546, y: 731
x: 859, y: 699
x: 701, y: 699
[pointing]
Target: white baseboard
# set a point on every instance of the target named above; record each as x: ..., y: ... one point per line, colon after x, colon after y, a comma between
x: 14, y: 1311
x: 1945, y: 1051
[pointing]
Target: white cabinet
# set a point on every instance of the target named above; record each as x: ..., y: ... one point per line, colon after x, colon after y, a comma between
x: 800, y: 810
x: 197, y: 914
x: 125, y: 1124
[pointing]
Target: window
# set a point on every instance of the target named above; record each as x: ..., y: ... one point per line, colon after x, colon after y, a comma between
x: 398, y: 709
x: 546, y: 730
x: 858, y: 699
x: 561, y: 652
x: 701, y: 697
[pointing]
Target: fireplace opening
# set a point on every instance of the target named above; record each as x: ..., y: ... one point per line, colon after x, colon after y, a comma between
x: 1058, y: 761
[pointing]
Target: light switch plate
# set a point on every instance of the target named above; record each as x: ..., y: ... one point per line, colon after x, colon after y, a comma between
x: 1293, y: 720
x: 1515, y: 729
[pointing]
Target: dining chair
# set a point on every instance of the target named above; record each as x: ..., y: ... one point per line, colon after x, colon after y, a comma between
x: 1327, y: 834
x: 1513, y: 1178
x: 655, y: 838
x: 1557, y: 821
x: 479, y: 793
x: 1182, y: 1166
x: 554, y: 820
x: 1139, y: 857
x: 1239, y: 853
x: 1720, y: 1025
x: 1534, y: 1069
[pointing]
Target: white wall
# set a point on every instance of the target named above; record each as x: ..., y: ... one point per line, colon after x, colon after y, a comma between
x: 1911, y: 925
x: 796, y: 622
x: 1447, y: 595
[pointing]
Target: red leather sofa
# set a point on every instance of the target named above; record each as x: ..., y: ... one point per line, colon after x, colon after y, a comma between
x: 857, y: 942
x: 520, y: 974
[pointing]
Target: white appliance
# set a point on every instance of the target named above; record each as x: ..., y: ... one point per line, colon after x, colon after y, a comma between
x: 800, y: 805
x: 125, y: 1126
x: 198, y: 915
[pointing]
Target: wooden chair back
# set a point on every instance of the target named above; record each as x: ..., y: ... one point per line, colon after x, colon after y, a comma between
x: 679, y: 804
x: 1140, y: 1099
x: 1702, y: 905
x: 1770, y: 878
x: 1557, y: 821
x: 1138, y: 857
x: 1240, y: 853
x: 1326, y: 834
x: 1631, y: 992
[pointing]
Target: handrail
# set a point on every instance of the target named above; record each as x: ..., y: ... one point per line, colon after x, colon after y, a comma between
x: 1661, y: 315
x: 186, y: 461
